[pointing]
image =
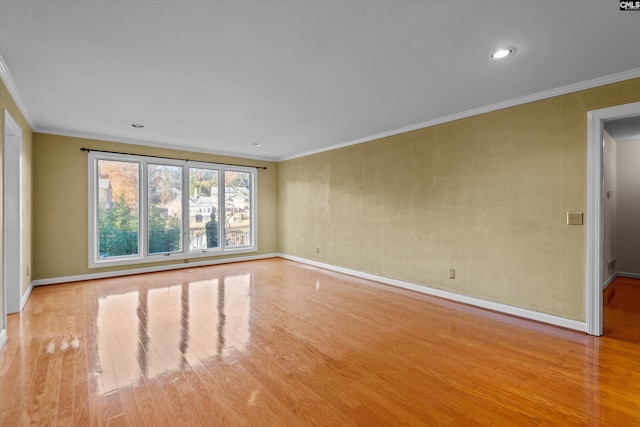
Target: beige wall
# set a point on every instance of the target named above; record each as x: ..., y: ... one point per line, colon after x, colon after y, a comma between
x: 61, y: 205
x: 609, y: 205
x: 485, y: 195
x: 7, y: 102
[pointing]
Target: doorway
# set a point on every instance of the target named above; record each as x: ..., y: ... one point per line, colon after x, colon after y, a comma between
x: 621, y: 233
x: 594, y: 212
x: 12, y: 217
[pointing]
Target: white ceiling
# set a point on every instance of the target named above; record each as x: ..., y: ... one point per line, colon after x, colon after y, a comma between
x: 295, y: 76
x: 624, y: 129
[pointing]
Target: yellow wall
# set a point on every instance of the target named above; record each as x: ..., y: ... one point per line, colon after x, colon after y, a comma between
x: 61, y: 203
x: 7, y: 102
x: 485, y: 195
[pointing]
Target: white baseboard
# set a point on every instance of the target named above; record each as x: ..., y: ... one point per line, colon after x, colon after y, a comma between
x: 609, y: 280
x: 23, y: 302
x: 25, y: 297
x: 629, y: 275
x: 118, y: 273
x: 502, y: 308
x: 619, y: 274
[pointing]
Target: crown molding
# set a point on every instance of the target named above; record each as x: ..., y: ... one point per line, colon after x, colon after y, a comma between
x: 563, y: 90
x: 154, y: 144
x: 5, y: 75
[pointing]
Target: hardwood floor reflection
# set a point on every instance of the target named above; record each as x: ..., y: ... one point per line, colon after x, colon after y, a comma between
x: 274, y: 342
x: 621, y: 314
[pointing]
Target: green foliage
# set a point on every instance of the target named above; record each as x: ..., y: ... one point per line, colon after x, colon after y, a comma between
x: 118, y: 230
x: 164, y: 231
x: 164, y: 182
x: 202, y: 180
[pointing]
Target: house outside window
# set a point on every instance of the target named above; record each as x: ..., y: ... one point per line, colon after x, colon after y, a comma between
x: 136, y: 207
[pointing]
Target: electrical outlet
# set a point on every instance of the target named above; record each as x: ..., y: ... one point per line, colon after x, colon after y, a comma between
x: 452, y: 273
x: 574, y: 218
x: 317, y: 249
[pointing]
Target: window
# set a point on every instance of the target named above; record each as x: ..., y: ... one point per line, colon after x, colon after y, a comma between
x: 164, y: 213
x: 144, y: 209
x: 237, y: 219
x: 118, y: 216
x: 203, y: 188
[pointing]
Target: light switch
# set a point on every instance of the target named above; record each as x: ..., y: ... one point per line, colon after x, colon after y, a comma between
x: 574, y: 218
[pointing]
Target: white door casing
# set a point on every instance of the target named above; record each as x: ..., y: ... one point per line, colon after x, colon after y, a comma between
x: 12, y: 214
x: 594, y: 211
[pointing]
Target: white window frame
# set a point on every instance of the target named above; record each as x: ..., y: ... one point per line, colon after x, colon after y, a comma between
x: 143, y: 256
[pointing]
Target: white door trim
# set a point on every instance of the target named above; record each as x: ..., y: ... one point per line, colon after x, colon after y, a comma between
x: 12, y: 215
x: 593, y: 273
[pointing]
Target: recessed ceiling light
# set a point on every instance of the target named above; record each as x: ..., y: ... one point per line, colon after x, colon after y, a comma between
x: 503, y: 53
x: 137, y: 125
x: 256, y: 144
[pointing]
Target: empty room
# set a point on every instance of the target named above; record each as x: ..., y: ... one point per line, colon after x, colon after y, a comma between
x: 292, y: 213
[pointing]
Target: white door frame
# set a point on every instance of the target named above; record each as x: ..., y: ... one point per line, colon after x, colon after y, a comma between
x: 12, y: 215
x: 593, y: 273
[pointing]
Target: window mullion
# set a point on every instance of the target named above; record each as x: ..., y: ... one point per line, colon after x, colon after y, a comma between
x: 222, y: 215
x: 253, y: 197
x: 144, y: 217
x: 186, y: 214
x: 93, y: 209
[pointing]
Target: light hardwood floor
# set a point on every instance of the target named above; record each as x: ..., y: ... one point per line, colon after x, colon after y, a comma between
x: 274, y: 342
x: 621, y: 314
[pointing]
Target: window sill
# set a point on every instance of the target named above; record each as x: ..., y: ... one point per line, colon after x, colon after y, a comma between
x: 171, y: 258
